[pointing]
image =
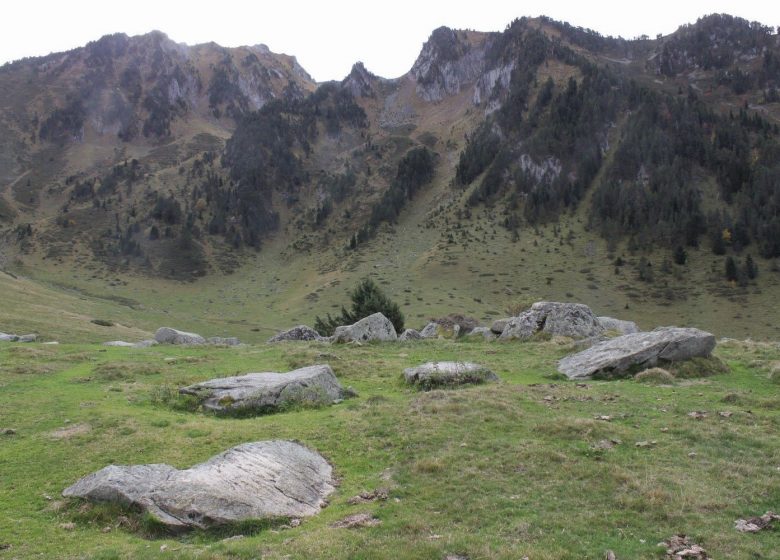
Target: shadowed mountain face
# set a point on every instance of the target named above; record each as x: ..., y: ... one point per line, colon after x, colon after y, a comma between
x: 143, y: 155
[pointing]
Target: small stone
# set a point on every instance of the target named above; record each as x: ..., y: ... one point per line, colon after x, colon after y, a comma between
x: 357, y: 520
x: 69, y: 526
x: 698, y: 414
x: 725, y: 414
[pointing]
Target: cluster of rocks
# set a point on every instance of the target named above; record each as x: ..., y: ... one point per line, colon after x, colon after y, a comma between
x: 168, y: 335
x: 4, y: 337
x: 285, y: 479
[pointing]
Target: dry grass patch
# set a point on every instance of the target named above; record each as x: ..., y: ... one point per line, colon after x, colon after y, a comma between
x: 655, y: 376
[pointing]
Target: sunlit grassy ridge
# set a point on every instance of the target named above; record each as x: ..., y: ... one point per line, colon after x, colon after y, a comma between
x: 492, y: 471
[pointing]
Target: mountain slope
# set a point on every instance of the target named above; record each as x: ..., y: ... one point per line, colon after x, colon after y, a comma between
x: 620, y: 173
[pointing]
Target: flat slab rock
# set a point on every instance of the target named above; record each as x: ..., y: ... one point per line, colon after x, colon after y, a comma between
x: 631, y: 353
x: 438, y: 374
x: 268, y: 391
x: 373, y: 327
x: 167, y: 335
x: 257, y: 480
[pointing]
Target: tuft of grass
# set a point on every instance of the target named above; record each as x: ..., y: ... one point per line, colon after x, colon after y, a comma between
x: 698, y: 367
x: 122, y: 371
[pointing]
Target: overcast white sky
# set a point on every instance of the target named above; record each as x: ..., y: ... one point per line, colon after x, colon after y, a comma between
x: 328, y: 37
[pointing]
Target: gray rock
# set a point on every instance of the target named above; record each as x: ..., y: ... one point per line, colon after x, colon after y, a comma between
x: 483, y: 332
x: 229, y: 341
x: 251, y: 481
x: 498, y: 326
x: 574, y: 320
x: 167, y: 335
x: 431, y: 330
x: 268, y: 391
x: 300, y: 332
x: 436, y: 374
x: 8, y: 337
x: 410, y: 334
x: 27, y: 338
x: 145, y: 344
x: 120, y: 343
x: 631, y: 353
x: 373, y: 327
x: 618, y: 325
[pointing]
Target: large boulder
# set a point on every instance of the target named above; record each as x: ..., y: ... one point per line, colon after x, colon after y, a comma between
x: 373, y: 327
x: 628, y: 354
x: 167, y: 335
x: 444, y: 374
x: 431, y: 330
x: 8, y: 337
x: 268, y: 391
x: 300, y: 332
x: 618, y: 325
x: 574, y: 320
x: 264, y: 479
x: 27, y: 338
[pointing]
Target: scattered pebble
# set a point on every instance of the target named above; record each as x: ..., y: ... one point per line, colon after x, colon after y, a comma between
x: 725, y: 414
x: 698, y: 414
x: 680, y: 546
x: 645, y: 443
x: 366, y: 497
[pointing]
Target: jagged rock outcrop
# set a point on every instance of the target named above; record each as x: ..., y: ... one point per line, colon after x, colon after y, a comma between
x: 268, y: 391
x: 167, y: 335
x: 618, y: 325
x: 374, y: 327
x: 628, y: 354
x: 447, y: 63
x: 574, y: 320
x: 360, y: 81
x: 257, y: 480
x: 438, y: 374
x: 299, y: 332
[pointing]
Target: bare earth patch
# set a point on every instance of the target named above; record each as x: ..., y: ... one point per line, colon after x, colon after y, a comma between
x: 67, y: 432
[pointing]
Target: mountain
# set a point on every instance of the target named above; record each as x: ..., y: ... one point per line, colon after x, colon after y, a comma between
x: 541, y: 161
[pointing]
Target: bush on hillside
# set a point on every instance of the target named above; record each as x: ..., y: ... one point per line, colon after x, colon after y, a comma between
x: 367, y: 299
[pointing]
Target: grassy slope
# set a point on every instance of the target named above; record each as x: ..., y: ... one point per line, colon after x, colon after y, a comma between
x: 498, y: 471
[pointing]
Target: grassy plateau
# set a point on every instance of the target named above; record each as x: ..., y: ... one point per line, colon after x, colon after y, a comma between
x: 533, y: 466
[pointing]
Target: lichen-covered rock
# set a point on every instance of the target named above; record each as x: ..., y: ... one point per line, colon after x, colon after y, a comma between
x: 374, y: 327
x: 268, y: 391
x: 618, y: 325
x: 431, y: 330
x: 631, y: 353
x: 257, y: 480
x: 443, y: 374
x: 573, y: 320
x: 300, y: 332
x: 410, y: 334
x: 167, y: 335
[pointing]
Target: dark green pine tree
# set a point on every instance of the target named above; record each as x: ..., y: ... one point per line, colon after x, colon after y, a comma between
x: 367, y: 299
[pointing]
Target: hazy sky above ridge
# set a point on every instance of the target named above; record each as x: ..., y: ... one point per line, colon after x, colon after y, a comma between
x: 328, y: 37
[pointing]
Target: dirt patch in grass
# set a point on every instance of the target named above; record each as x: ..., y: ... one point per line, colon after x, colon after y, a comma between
x: 67, y: 432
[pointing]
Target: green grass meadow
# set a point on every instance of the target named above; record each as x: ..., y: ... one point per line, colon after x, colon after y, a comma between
x: 519, y: 468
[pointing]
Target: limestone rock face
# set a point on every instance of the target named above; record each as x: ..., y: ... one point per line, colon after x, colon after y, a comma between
x: 574, y: 320
x: 268, y: 391
x: 373, y: 327
x: 631, y: 353
x: 251, y: 481
x: 438, y: 374
x: 300, y: 332
x: 618, y: 325
x: 167, y: 335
